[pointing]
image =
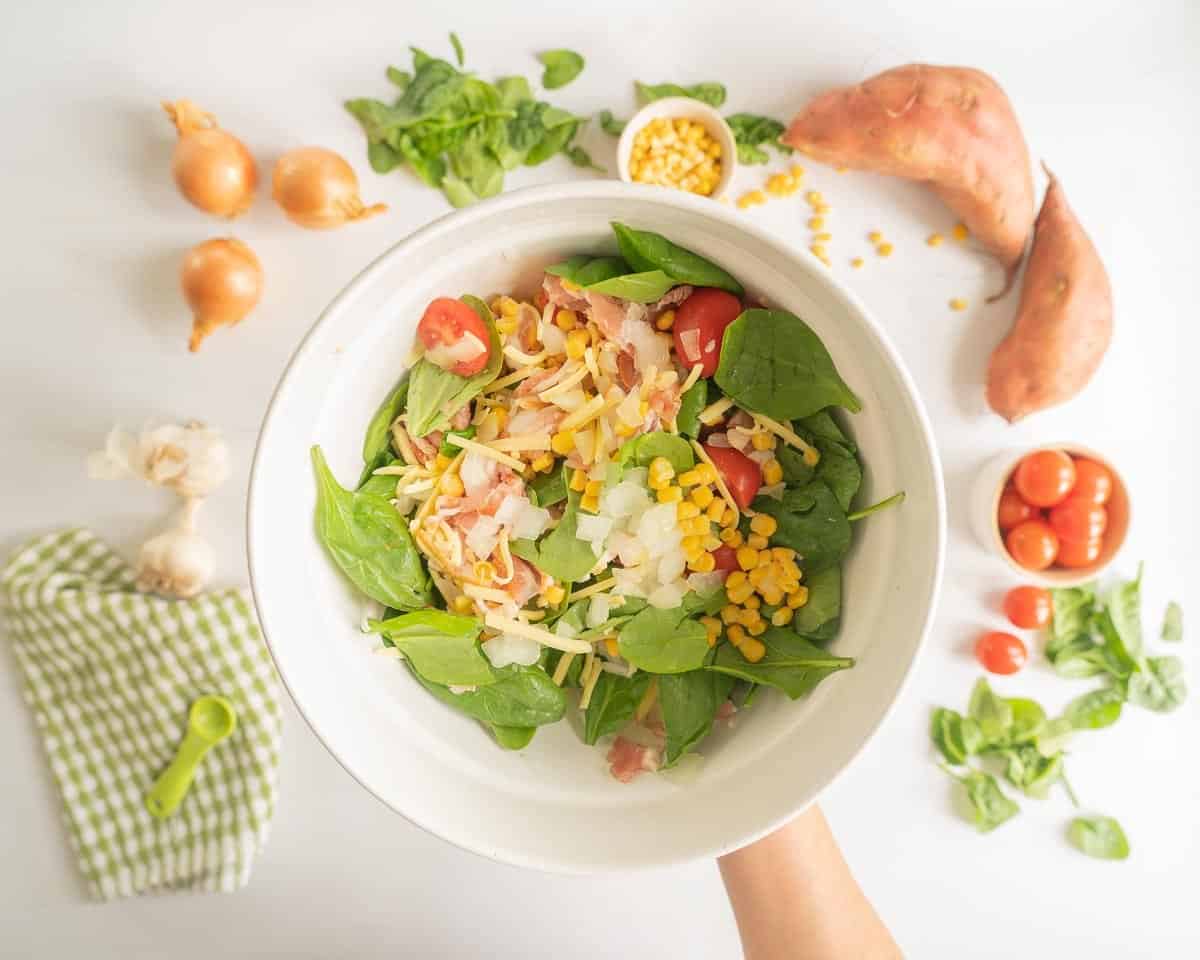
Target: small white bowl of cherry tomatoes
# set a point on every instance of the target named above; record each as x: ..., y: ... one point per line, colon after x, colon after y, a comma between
x: 1057, y: 514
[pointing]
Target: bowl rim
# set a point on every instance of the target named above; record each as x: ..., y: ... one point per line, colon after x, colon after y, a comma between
x: 689, y: 109
x: 591, y: 190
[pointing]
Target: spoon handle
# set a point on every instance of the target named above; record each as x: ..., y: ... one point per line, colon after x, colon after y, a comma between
x: 172, y: 784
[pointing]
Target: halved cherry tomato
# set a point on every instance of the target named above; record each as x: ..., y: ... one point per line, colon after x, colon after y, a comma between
x: 741, y: 474
x: 1092, y: 481
x: 1000, y: 652
x: 1076, y: 519
x: 443, y: 324
x: 1078, y: 553
x: 1045, y: 477
x: 1013, y: 509
x: 1028, y: 607
x: 725, y: 558
x: 1032, y: 544
x: 700, y: 323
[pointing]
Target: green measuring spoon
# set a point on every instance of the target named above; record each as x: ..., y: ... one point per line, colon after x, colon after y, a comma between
x: 210, y: 720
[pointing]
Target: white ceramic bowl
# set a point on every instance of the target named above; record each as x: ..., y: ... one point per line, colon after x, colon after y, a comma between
x: 554, y: 805
x: 687, y: 109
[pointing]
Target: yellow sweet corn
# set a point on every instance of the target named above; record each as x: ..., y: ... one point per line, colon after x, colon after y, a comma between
x: 669, y: 494
x: 661, y: 473
x: 697, y: 526
x: 715, y: 511
x: 783, y: 553
x: 566, y: 320
x: 702, y: 497
x: 440, y: 462
x: 753, y: 650
x: 763, y: 440
x: 543, y: 462
x: 747, y: 558
x: 782, y: 617
x: 798, y: 598
x: 758, y: 629
x: 579, y: 481
x: 764, y: 524
x: 665, y: 320
x: 712, y: 543
x: 705, y: 563
x: 593, y: 488
x: 736, y: 633
x: 691, y: 546
x: 772, y: 472
x: 756, y: 541
x: 739, y: 594
x: 577, y: 344
x: 563, y: 443
x: 758, y: 576
x: 451, y: 485
x: 752, y: 603
x: 463, y: 604
x: 686, y: 511
x: 590, y: 503
x: 689, y: 478
x: 706, y: 473
x: 728, y: 517
x: 730, y: 613
x: 554, y: 594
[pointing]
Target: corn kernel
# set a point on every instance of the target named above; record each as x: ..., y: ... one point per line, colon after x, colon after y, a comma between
x: 730, y: 613
x: 451, y: 485
x: 702, y: 497
x: 735, y: 579
x: 822, y: 237
x: 884, y: 249
x: 577, y: 344
x: 711, y: 624
x: 875, y: 236
x: 737, y: 634
x: 798, y: 598
x: 566, y: 319
x: 501, y: 417
x: 783, y: 553
x: 764, y: 524
x: 593, y: 488
x: 816, y: 223
x: 857, y: 263
x: 441, y: 462
x: 463, y: 604
x: 665, y: 320
x: 753, y: 650
x: 764, y: 559
x: 791, y: 570
x: 508, y: 307
x: 543, y: 462
x: 960, y: 232
x: 818, y: 250
x: 772, y: 595
x: 751, y: 199
x: 579, y: 481
x: 772, y: 472
x: 661, y: 473
x: 686, y: 511
x: 753, y: 603
x: 758, y: 542
x: 758, y: 629
x: 740, y: 593
x: 758, y: 576
x: 705, y: 563
x: 747, y: 558
x: 691, y: 545
x: 957, y: 303
x: 763, y: 440
x: 732, y: 537
x: 590, y: 503
x: 934, y: 240
x: 814, y: 197
x: 697, y: 526
x: 712, y: 543
x: 782, y: 617
x: 728, y: 518
x: 562, y: 443
x: 689, y: 478
x: 820, y: 209
x: 715, y: 512
x: 507, y: 325
x: 669, y: 494
x: 554, y: 594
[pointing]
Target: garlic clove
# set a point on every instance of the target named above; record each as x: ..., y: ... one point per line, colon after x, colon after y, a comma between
x: 178, y: 562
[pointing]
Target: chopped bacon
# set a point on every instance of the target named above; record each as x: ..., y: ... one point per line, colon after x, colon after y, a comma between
x: 726, y: 710
x: 461, y: 419
x: 672, y: 298
x: 627, y: 370
x: 527, y: 329
x: 534, y: 382
x: 507, y: 484
x: 665, y: 402
x: 560, y: 296
x: 426, y: 447
x: 627, y: 759
x: 525, y: 582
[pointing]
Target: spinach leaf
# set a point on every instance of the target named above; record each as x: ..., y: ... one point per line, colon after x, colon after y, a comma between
x: 401, y: 78
x: 956, y: 736
x: 610, y: 124
x: 1028, y: 719
x: 556, y: 139
x: 435, y: 395
x: 812, y: 523
x: 370, y: 542
x: 599, y: 269
x: 689, y: 704
x: 547, y: 489
x: 791, y: 663
x: 893, y: 501
x: 1072, y: 613
x: 642, y: 450
x: 645, y: 287
x: 824, y: 604
x: 838, y: 466
x: 520, y: 697
x: 458, y: 47
x: 648, y: 251
x: 377, y: 443
x: 1124, y: 606
x: 614, y: 700
x: 513, y: 91
x: 1159, y: 684
x: 752, y: 132
x: 513, y: 738
x: 797, y: 472
x: 1095, y: 710
x: 664, y: 641
x: 1114, y: 655
x: 1100, y: 837
x: 562, y: 66
x: 993, y: 714
x: 382, y: 486
x: 773, y: 363
x: 443, y: 647
x: 581, y: 158
x: 560, y: 553
x: 1031, y: 772
x: 448, y: 449
x: 991, y: 807
x: 711, y: 93
x: 1172, y: 626
x: 1054, y: 736
x: 687, y: 420
x: 569, y: 268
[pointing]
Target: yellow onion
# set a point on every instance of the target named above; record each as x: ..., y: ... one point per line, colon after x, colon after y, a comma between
x: 222, y: 282
x: 317, y: 189
x: 212, y: 167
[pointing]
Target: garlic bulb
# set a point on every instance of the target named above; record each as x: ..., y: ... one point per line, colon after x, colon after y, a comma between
x: 178, y: 562
x: 192, y: 460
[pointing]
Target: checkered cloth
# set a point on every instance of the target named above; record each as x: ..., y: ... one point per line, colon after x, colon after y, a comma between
x: 110, y: 674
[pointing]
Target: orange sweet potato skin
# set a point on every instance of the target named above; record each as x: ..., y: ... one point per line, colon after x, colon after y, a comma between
x: 950, y: 126
x: 1064, y: 321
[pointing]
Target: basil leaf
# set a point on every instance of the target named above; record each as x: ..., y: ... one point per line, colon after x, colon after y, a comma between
x: 513, y: 738
x: 664, y: 641
x: 610, y: 124
x: 435, y: 395
x: 1095, y: 710
x: 443, y: 647
x: 1159, y: 684
x: 370, y: 542
x: 711, y: 93
x: 377, y: 443
x: 824, y: 602
x: 1172, y: 626
x: 988, y: 802
x: 791, y: 663
x: 1100, y: 837
x: 642, y: 450
x: 648, y: 251
x: 645, y: 287
x: 614, y: 700
x: 560, y: 553
x: 773, y: 363
x: 993, y: 714
x: 694, y: 400
x: 562, y: 66
x: 812, y: 523
x: 519, y: 697
x: 458, y: 47
x: 689, y: 704
x: 1124, y: 606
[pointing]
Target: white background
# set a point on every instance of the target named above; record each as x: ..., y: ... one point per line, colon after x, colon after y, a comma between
x: 94, y: 332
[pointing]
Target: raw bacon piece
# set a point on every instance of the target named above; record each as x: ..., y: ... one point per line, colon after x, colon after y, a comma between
x: 627, y: 759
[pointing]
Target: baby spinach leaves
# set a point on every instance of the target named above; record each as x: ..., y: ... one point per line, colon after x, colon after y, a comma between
x: 512, y: 738
x: 560, y: 553
x: 811, y: 522
x: 645, y: 287
x: 370, y: 542
x: 610, y: 124
x: 443, y: 647
x: 1100, y: 837
x: 665, y: 641
x: 956, y: 736
x: 643, y: 449
x: 547, y: 489
x: 773, y: 363
x: 458, y: 47
x: 519, y: 697
x: 614, y: 700
x: 989, y: 804
x: 647, y: 251
x: 791, y: 663
x: 711, y: 93
x: 1158, y: 685
x: 689, y: 704
x: 818, y: 618
x: 752, y: 132
x: 562, y: 66
x: 693, y: 401
x: 1172, y: 625
x: 1096, y: 710
x: 377, y: 442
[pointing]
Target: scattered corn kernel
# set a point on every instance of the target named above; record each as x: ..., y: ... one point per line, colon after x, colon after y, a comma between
x: 816, y: 223
x: 957, y: 303
x: 752, y: 603
x: 735, y: 579
x: 705, y: 563
x: 791, y: 570
x: 820, y: 209
x: 960, y: 232
x: 702, y: 497
x: 764, y: 558
x: 753, y: 650
x: 782, y: 185
x: 554, y: 594
x: 669, y: 494
x: 764, y: 524
x: 610, y: 645
x: 686, y: 511
x: 783, y: 553
x: 782, y: 617
x: 752, y: 198
x: 728, y: 518
x: 665, y: 320
x: 506, y: 325
x: 712, y: 543
x: 566, y: 319
x: 691, y: 545
x: 577, y: 344
x: 822, y: 237
x: 451, y: 485
x: 758, y: 575
x: 763, y: 440
x: 732, y: 537
x: 562, y: 443
x: 814, y: 197
x: 711, y: 624
x: 661, y: 473
x: 934, y: 240
x: 884, y: 249
x: 463, y: 604
x: 737, y: 634
x: 857, y: 263
x: 875, y: 236
x: 508, y: 307
x: 772, y: 595
x: 579, y: 481
x: 747, y: 558
x: 772, y: 472
x: 740, y: 593
x: 818, y: 250
x: 798, y: 598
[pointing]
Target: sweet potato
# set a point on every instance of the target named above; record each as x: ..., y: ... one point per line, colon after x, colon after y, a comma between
x: 951, y: 127
x: 1064, y: 320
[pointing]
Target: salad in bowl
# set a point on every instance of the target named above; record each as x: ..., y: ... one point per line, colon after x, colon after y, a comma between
x: 624, y: 494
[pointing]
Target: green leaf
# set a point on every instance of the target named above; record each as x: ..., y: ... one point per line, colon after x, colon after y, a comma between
x: 614, y: 700
x: 520, y: 697
x: 893, y: 501
x: 435, y: 395
x: 642, y: 450
x: 1030, y: 771
x: 448, y: 449
x: 581, y: 158
x: 562, y: 66
x: 1100, y: 837
x: 711, y: 93
x: 1095, y: 710
x: 1072, y: 614
x: 610, y: 124
x: 1124, y: 606
x: 369, y: 540
x: 1159, y: 684
x: 569, y: 268
x: 458, y: 47
x: 1172, y: 626
x: 956, y: 736
x: 694, y: 400
x: 1028, y: 719
x: 812, y: 523
x: 597, y: 270
x: 560, y: 553
x: 647, y: 251
x: 377, y: 443
x: 993, y: 714
x: 751, y: 132
x: 442, y: 647
x: 401, y: 78
x: 664, y: 641
x: 991, y: 807
x: 689, y: 704
x: 381, y: 486
x: 838, y: 466
x: 791, y: 663
x: 1115, y: 657
x: 513, y: 738
x: 555, y: 140
x: 645, y: 287
x: 383, y: 158
x: 547, y: 489
x: 824, y: 604
x: 773, y: 363
x: 513, y: 92
x: 1054, y: 736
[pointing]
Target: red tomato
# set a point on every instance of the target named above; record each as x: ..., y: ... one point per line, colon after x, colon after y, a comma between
x: 1028, y: 607
x: 1076, y: 519
x: 1092, y: 481
x: 740, y: 473
x: 1045, y: 477
x: 700, y: 323
x: 443, y: 324
x: 725, y: 558
x: 1000, y: 653
x: 1032, y: 544
x: 1013, y: 509
x: 1078, y: 553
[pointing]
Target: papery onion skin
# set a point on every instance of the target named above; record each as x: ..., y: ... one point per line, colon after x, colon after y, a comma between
x: 212, y: 168
x: 222, y: 281
x: 316, y: 188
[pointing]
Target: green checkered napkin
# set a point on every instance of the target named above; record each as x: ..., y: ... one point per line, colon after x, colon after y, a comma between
x: 110, y: 674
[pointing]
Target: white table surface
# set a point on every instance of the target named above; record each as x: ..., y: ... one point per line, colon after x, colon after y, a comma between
x: 94, y: 333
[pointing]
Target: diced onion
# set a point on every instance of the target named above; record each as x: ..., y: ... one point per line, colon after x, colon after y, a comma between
x: 667, y: 596
x: 717, y: 440
x: 467, y: 347
x: 598, y: 610
x: 483, y: 536
x: 553, y: 339
x: 593, y: 528
x: 774, y: 491
x: 689, y: 342
x: 477, y: 474
x: 705, y: 583
x: 506, y: 649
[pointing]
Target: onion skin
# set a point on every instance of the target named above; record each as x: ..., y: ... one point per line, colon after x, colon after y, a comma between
x: 212, y: 168
x: 317, y: 189
x: 222, y: 281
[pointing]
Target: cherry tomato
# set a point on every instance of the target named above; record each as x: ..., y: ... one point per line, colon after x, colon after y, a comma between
x: 1013, y: 509
x: 700, y: 323
x: 1076, y: 519
x: 1045, y: 477
x: 1092, y: 481
x: 1000, y: 652
x: 1033, y: 544
x: 1028, y: 607
x: 725, y: 558
x: 1078, y: 553
x: 443, y: 324
x: 740, y: 473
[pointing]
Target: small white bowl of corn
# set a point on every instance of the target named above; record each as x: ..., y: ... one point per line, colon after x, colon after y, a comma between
x: 679, y: 143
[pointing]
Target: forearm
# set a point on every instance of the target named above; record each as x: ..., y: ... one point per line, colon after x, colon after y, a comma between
x: 794, y: 896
